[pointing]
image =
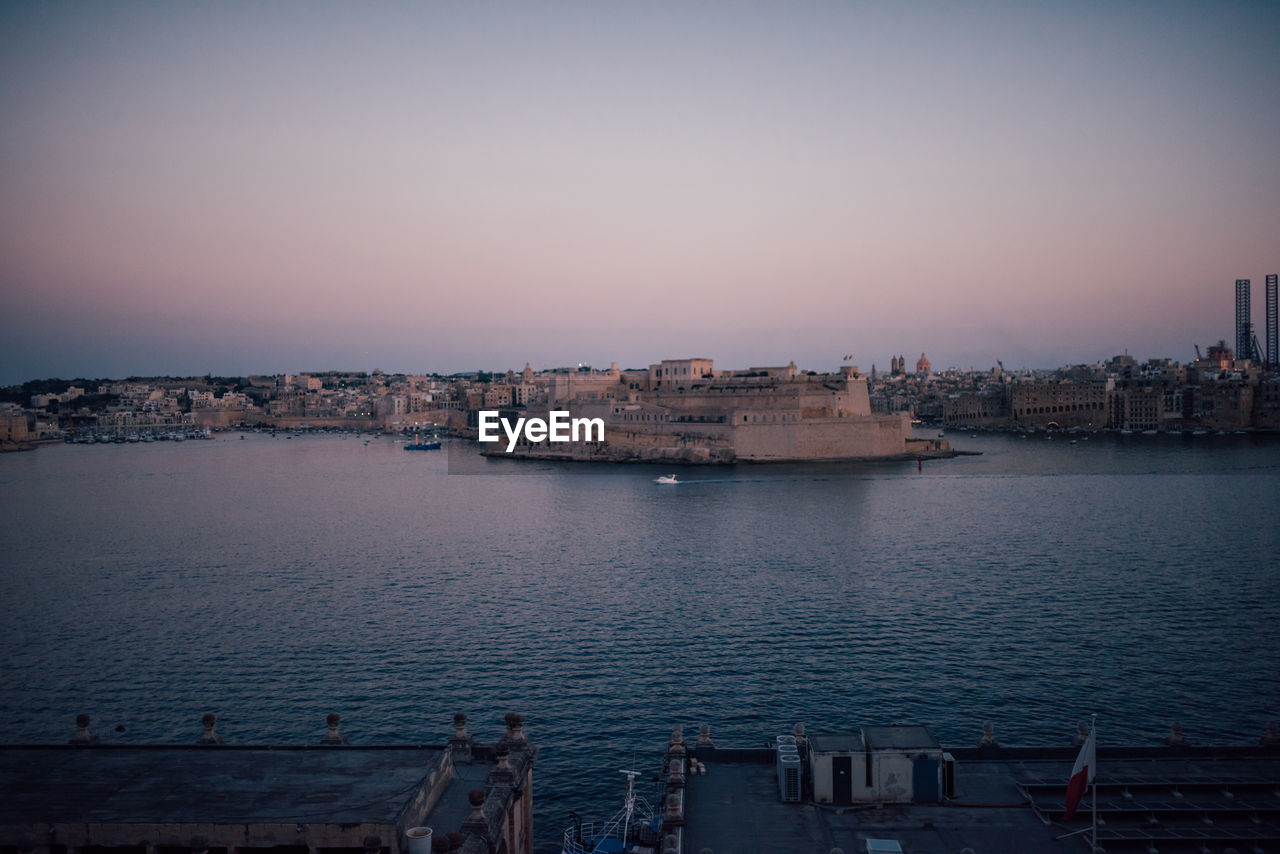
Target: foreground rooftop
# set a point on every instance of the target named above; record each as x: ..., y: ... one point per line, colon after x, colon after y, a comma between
x: 1004, y: 800
x: 213, y: 798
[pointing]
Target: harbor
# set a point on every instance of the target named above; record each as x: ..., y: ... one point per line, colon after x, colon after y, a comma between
x: 1105, y: 576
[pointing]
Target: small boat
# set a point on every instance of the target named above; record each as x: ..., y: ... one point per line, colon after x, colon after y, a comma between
x: 421, y: 446
x: 667, y: 478
x: 634, y: 824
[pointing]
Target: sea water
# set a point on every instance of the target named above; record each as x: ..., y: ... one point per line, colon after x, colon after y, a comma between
x: 273, y: 580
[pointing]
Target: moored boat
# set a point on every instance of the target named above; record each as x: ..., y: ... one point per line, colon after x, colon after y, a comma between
x: 418, y: 445
x: 635, y: 824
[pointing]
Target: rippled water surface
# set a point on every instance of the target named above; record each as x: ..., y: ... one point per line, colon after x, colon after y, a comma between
x: 274, y: 580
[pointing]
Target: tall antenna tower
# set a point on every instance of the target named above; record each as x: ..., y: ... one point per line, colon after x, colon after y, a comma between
x: 1273, y: 352
x: 1244, y: 328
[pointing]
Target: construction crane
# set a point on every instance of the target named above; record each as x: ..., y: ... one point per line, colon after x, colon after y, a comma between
x: 1198, y: 356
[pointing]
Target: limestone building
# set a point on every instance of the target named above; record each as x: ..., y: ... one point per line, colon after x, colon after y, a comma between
x: 213, y: 798
x: 1062, y: 403
x: 687, y: 411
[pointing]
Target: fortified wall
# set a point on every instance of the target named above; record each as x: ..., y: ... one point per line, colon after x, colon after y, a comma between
x: 686, y: 412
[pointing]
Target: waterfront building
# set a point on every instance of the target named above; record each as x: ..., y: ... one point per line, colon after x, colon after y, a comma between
x: 1244, y: 327
x: 986, y: 408
x: 1266, y: 403
x: 13, y: 427
x: 1224, y: 404
x: 693, y: 413
x: 213, y: 798
x: 1137, y: 406
x: 1062, y: 403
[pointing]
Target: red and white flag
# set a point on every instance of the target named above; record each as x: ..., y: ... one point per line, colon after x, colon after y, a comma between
x: 1081, y: 774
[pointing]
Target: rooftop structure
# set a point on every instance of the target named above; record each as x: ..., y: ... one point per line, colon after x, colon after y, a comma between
x: 213, y: 797
x: 986, y: 799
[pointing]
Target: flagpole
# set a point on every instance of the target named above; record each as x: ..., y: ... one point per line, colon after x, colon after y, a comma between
x: 1093, y: 731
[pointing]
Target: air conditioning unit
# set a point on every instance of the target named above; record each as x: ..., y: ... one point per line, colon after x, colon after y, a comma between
x: 789, y: 777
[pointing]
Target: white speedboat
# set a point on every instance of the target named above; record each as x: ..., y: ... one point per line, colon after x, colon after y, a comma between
x: 667, y: 478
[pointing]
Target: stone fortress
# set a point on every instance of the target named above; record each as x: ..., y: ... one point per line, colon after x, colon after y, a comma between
x: 686, y: 411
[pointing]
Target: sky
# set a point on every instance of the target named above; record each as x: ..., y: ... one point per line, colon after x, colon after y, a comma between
x: 236, y: 188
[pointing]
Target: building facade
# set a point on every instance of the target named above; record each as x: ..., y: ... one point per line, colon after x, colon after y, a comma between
x: 1062, y: 403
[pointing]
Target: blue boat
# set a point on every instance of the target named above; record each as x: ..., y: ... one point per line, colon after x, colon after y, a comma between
x: 422, y: 446
x: 635, y: 824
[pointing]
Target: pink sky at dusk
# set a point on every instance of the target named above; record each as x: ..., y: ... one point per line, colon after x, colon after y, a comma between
x: 230, y: 189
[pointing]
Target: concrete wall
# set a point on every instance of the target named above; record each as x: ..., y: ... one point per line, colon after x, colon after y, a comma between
x: 867, y: 437
x: 892, y: 776
x: 822, y: 779
x: 892, y: 773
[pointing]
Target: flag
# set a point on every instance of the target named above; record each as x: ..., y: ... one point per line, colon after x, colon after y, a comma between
x: 1081, y: 774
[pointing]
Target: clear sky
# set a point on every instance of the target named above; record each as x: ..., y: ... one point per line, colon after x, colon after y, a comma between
x: 235, y: 187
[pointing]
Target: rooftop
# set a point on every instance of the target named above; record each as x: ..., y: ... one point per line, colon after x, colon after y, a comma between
x: 214, y: 797
x: 222, y: 785
x: 1005, y: 800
